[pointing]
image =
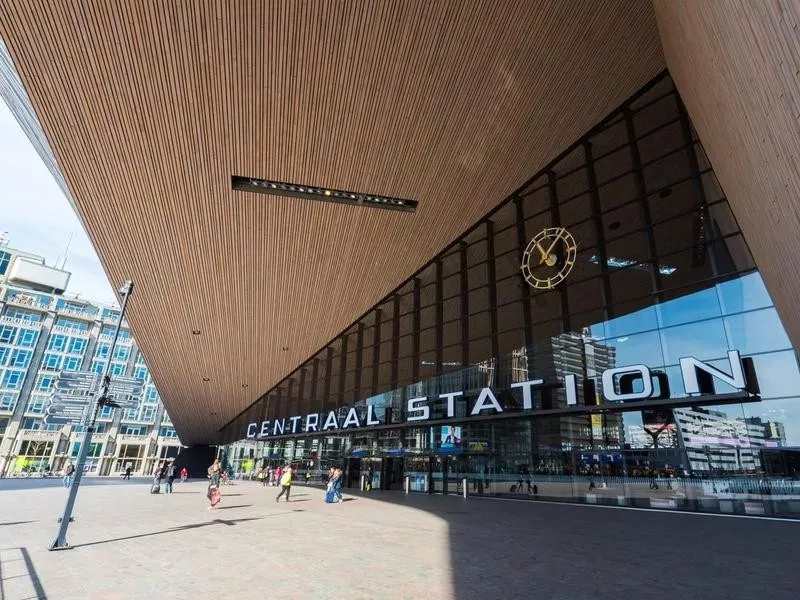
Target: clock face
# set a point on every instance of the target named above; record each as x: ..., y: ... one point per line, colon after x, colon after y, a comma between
x: 549, y: 258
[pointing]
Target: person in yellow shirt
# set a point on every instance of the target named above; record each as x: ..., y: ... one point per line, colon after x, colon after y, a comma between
x: 286, y: 483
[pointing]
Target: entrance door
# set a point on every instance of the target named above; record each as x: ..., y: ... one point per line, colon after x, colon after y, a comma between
x: 447, y: 473
x: 352, y: 473
x: 457, y: 470
x: 392, y: 474
x: 437, y: 475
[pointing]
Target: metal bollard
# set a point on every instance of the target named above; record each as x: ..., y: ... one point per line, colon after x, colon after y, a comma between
x: 464, y: 486
x: 407, y: 484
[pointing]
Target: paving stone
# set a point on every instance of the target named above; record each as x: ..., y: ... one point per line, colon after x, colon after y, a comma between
x: 128, y: 543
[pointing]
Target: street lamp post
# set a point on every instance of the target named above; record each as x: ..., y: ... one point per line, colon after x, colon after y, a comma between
x: 100, y: 400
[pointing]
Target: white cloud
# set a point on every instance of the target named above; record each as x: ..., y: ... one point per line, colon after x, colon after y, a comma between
x: 39, y: 218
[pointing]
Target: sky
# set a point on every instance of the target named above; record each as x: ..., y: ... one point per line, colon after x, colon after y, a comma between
x: 39, y: 218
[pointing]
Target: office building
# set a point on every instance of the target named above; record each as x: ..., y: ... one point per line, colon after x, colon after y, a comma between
x: 44, y: 331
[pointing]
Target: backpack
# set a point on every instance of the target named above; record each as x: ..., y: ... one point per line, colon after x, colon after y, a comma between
x: 171, y: 471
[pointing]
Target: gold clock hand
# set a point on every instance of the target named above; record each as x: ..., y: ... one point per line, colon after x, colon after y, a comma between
x: 545, y: 255
x: 555, y: 241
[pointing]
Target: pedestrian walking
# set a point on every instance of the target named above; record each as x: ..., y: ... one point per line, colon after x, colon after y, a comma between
x: 214, y: 494
x: 170, y: 475
x: 215, y: 472
x: 184, y: 474
x: 286, y: 483
x: 337, y: 485
x: 69, y: 472
x: 127, y: 473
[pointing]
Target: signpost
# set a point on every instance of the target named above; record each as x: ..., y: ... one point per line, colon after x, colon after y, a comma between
x: 76, y: 402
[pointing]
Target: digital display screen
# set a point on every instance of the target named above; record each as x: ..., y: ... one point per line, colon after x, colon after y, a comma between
x: 451, y: 436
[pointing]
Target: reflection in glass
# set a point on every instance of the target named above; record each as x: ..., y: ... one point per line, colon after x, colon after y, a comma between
x: 704, y: 341
x: 641, y: 320
x: 743, y: 293
x: 756, y: 331
x: 694, y: 307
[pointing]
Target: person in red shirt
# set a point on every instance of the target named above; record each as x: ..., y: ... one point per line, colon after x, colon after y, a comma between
x: 184, y: 474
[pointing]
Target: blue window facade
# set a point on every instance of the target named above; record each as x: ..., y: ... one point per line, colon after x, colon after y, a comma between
x: 168, y: 432
x: 31, y: 424
x: 21, y: 358
x: 45, y: 383
x: 28, y: 337
x: 8, y: 334
x: 57, y: 342
x: 8, y: 400
x: 109, y: 313
x: 117, y: 368
x: 5, y: 259
x: 72, y: 363
x: 76, y: 345
x: 12, y: 379
x: 52, y: 361
x: 106, y: 413
x: 75, y: 324
x: 29, y: 316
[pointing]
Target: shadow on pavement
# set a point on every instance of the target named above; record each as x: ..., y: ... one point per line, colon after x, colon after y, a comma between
x: 228, y: 522
x: 523, y: 549
x: 16, y: 523
x: 234, y: 506
x: 11, y: 569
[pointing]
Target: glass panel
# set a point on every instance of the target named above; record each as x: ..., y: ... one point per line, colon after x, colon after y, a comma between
x: 705, y: 340
x: 743, y: 293
x: 757, y: 331
x: 694, y: 307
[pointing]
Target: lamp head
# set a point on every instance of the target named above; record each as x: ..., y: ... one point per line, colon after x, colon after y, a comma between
x: 126, y: 288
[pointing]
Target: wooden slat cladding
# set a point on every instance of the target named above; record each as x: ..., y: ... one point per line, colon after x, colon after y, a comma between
x: 737, y: 67
x: 152, y: 106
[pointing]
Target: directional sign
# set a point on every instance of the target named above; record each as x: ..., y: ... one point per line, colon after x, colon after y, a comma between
x: 76, y: 381
x: 51, y: 420
x: 125, y: 392
x: 70, y: 400
x: 125, y: 386
x: 74, y: 392
x: 65, y: 415
x: 65, y: 409
x: 124, y: 403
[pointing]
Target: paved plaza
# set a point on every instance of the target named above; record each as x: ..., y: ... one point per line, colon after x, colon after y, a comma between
x: 130, y: 544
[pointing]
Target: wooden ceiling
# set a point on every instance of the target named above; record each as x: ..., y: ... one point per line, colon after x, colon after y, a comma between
x: 151, y: 106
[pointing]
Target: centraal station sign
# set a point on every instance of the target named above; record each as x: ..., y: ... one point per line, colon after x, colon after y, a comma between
x: 620, y: 384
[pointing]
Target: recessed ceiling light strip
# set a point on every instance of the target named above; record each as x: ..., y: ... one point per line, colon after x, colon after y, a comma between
x: 278, y: 188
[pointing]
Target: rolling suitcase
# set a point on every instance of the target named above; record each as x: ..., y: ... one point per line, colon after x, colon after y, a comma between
x: 155, y: 488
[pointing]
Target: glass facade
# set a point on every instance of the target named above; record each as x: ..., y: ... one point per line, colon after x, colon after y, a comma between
x: 660, y: 279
